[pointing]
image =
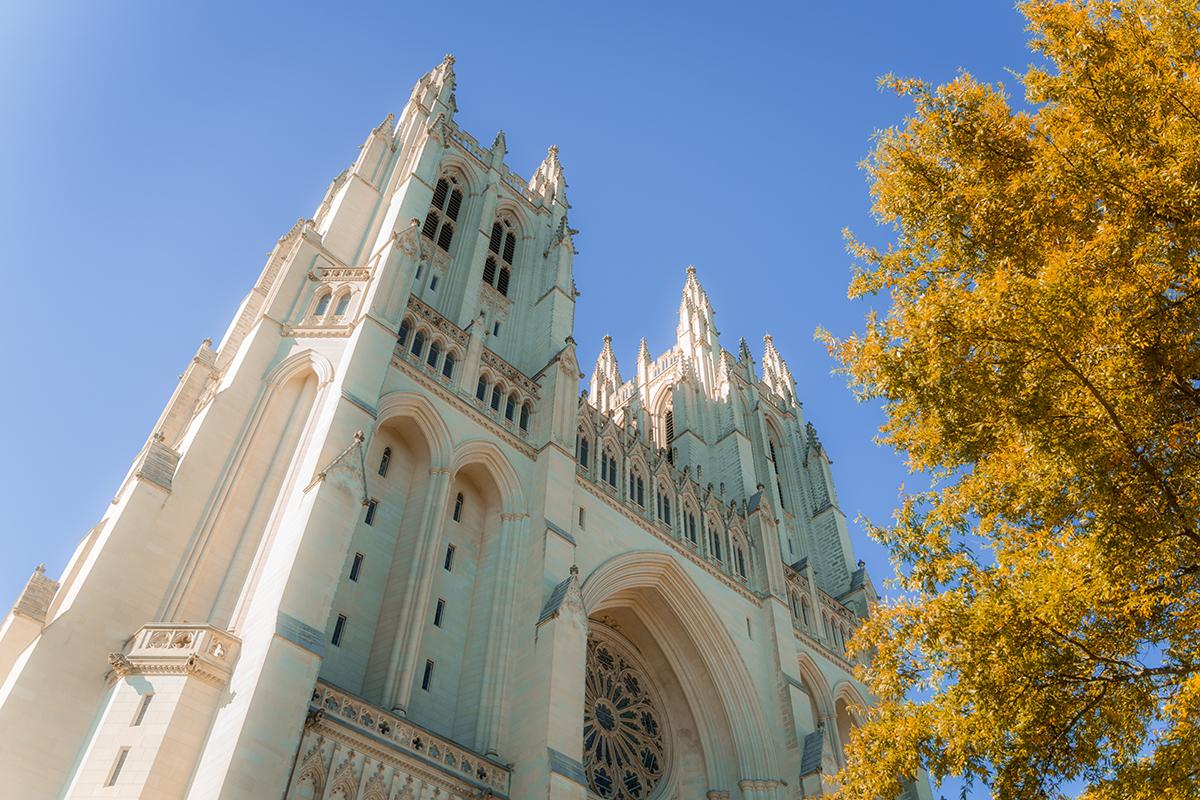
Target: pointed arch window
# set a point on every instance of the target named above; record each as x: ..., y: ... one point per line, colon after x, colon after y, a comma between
x: 776, y: 468
x: 443, y: 212
x: 739, y: 559
x: 524, y: 422
x: 497, y: 392
x: 481, y: 389
x: 510, y: 407
x: 664, y: 507
x: 402, y: 334
x: 581, y: 449
x: 714, y: 541
x: 435, y: 351
x: 690, y: 527
x: 343, y: 305
x: 418, y: 342
x: 385, y: 461
x: 637, y: 487
x: 323, y: 304
x: 448, y: 365
x: 608, y: 468
x: 502, y: 249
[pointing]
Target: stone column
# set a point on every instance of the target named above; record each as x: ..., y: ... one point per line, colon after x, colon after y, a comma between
x: 762, y: 789
x: 495, y: 669
x: 398, y: 687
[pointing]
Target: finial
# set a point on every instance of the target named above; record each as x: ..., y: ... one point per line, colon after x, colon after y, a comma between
x: 553, y: 152
x: 691, y: 271
x: 861, y: 563
x: 499, y: 141
x: 40, y: 569
x: 607, y: 339
x: 448, y: 60
x: 574, y: 569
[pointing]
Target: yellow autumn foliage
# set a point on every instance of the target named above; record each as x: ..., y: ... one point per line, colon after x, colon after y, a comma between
x: 1039, y: 361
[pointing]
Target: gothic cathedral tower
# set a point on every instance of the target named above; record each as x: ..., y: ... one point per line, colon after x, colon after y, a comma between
x: 379, y: 546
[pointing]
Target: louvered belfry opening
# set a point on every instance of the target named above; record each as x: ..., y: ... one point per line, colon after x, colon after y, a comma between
x: 443, y: 212
x: 497, y: 269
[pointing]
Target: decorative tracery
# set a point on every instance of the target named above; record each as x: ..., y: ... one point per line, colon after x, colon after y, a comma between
x: 624, y: 728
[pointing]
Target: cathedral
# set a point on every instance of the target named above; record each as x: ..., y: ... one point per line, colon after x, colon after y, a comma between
x: 380, y: 546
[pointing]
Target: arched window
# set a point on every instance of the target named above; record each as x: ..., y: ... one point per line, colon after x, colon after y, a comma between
x: 689, y: 527
x: 497, y: 391
x: 637, y: 487
x: 481, y: 389
x: 795, y: 604
x: 581, y: 449
x: 418, y: 342
x: 804, y: 612
x: 458, y: 507
x: 497, y: 269
x: 323, y: 304
x: 608, y: 468
x: 405, y: 329
x: 343, y: 304
x: 434, y: 352
x: 443, y: 212
x: 714, y: 541
x: 510, y: 407
x: 524, y: 423
x: 664, y: 507
x: 776, y: 467
x: 448, y: 365
x: 739, y: 559
x: 384, y: 461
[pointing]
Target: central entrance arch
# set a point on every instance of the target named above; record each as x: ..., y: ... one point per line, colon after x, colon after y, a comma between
x: 716, y: 732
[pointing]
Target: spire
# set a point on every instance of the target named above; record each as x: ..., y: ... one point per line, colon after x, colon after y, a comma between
x: 435, y: 90
x: 696, y: 336
x: 549, y: 181
x: 643, y: 363
x: 499, y: 148
x: 775, y: 370
x: 606, y: 378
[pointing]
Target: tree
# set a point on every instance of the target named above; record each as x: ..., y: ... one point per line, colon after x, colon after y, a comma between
x: 1039, y: 362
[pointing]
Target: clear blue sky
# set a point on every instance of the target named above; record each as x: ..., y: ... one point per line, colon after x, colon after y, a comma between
x: 153, y: 152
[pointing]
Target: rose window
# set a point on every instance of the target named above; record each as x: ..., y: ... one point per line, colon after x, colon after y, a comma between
x: 623, y: 724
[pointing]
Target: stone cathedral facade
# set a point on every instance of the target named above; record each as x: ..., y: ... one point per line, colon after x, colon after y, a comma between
x: 380, y: 546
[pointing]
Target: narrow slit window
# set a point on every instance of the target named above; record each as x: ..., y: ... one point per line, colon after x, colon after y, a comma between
x: 385, y: 461
x: 427, y: 676
x: 356, y: 567
x: 433, y: 282
x: 370, y: 516
x: 439, y: 611
x: 458, y: 507
x: 495, y: 329
x: 141, y: 709
x: 339, y: 630
x: 448, y: 564
x: 582, y: 517
x: 115, y: 772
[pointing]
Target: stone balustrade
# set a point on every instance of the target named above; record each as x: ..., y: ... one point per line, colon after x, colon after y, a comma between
x: 202, y: 651
x: 415, y: 749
